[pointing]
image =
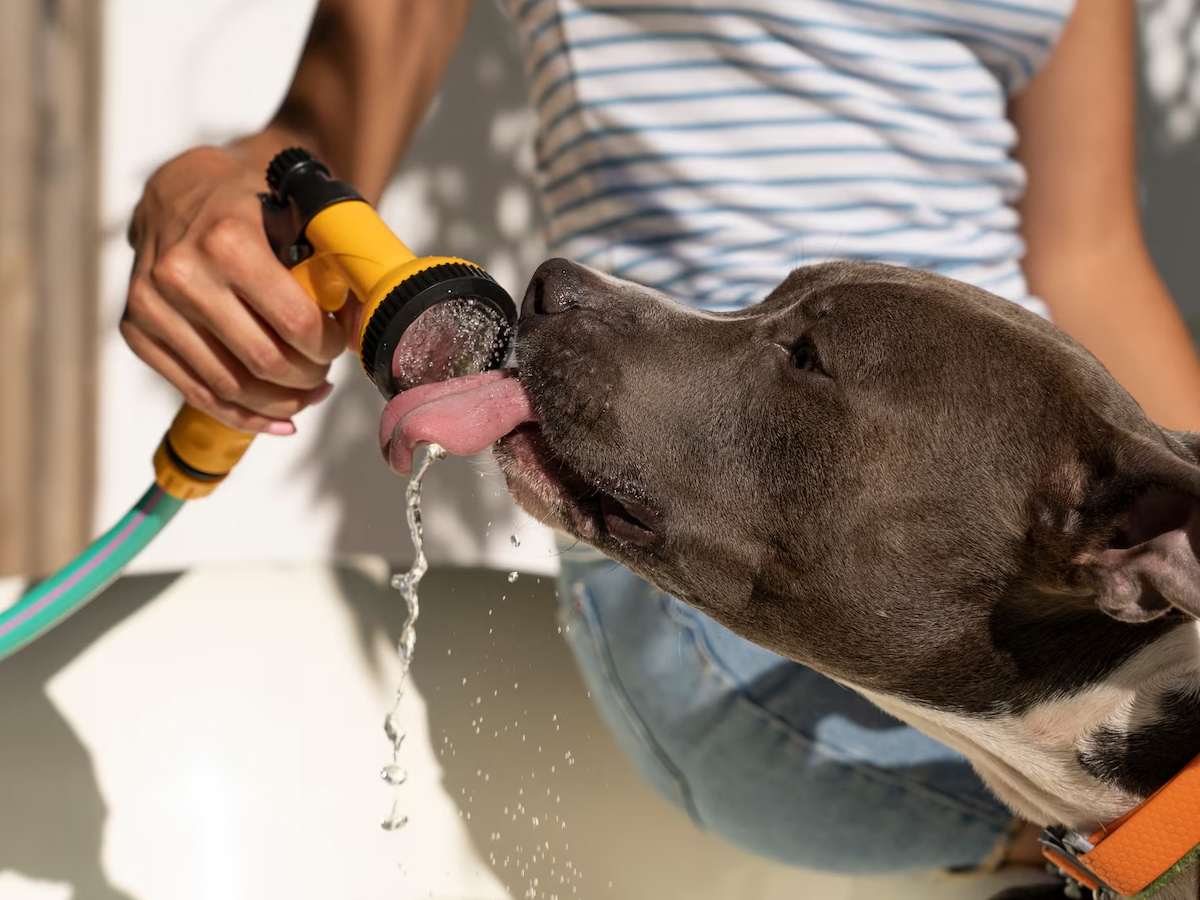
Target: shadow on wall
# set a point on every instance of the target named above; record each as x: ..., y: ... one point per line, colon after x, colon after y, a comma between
x: 53, y: 815
x: 463, y: 190
x: 1169, y: 144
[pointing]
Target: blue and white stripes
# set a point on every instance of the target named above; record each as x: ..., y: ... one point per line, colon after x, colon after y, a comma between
x: 707, y: 148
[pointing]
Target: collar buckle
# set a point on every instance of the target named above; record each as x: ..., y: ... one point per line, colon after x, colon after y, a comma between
x: 1062, y: 849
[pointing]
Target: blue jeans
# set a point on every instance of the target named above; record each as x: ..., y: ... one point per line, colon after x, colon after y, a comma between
x: 760, y: 750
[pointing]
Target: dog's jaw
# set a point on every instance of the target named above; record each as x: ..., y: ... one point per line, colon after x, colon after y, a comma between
x: 541, y: 487
x: 592, y: 510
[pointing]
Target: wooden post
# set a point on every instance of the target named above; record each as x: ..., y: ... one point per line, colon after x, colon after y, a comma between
x: 49, y: 239
x: 18, y: 276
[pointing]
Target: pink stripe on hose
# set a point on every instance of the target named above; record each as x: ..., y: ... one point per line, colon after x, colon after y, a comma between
x: 118, y: 539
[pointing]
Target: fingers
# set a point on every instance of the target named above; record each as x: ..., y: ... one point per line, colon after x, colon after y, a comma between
x: 195, y: 392
x: 239, y: 249
x: 192, y: 358
x: 211, y: 308
x: 192, y: 285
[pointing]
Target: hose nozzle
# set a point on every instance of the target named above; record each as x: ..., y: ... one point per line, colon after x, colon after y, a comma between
x: 425, y: 319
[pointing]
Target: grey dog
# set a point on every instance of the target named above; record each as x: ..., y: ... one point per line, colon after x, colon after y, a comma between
x: 914, y: 487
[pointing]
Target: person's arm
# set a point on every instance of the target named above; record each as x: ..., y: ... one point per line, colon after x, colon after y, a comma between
x: 209, y: 307
x: 1087, y: 256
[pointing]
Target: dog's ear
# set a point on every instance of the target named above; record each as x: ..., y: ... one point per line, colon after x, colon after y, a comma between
x: 1145, y: 559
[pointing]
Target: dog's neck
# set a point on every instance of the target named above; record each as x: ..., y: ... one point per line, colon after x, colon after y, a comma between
x: 1085, y: 760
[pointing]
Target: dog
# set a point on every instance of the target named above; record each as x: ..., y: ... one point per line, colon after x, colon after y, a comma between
x: 917, y: 488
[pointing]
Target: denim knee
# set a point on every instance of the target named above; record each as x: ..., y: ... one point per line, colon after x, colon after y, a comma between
x: 767, y: 753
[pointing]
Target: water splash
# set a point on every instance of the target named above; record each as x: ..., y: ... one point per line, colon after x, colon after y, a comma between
x: 456, y: 337
x: 407, y: 585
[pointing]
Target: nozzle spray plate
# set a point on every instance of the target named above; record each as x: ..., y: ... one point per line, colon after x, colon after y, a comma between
x: 445, y: 321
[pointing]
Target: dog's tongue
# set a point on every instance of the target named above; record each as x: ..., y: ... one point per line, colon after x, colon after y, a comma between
x: 464, y: 415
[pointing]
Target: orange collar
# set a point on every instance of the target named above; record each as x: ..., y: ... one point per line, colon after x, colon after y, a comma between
x: 1139, y: 852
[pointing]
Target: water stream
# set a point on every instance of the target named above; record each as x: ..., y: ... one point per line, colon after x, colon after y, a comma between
x: 407, y: 584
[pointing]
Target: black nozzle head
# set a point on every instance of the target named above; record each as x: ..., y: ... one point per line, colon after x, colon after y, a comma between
x: 300, y: 187
x: 295, y: 162
x: 448, y: 320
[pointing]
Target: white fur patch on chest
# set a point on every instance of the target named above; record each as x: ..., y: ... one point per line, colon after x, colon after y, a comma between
x: 1031, y: 761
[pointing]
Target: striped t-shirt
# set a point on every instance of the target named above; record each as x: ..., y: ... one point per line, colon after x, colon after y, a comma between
x: 707, y: 148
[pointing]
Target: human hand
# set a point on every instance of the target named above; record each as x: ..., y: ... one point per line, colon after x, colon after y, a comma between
x: 210, y: 307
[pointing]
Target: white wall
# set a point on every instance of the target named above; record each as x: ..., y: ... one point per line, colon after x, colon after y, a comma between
x: 180, y: 73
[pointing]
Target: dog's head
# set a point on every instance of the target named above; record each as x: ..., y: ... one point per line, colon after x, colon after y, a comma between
x: 901, y: 480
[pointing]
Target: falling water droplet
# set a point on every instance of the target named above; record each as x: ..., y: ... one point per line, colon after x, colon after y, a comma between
x: 395, y: 821
x: 393, y: 774
x: 512, y: 576
x: 391, y: 727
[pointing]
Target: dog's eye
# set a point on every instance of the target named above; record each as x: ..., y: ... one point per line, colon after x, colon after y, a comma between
x: 804, y: 357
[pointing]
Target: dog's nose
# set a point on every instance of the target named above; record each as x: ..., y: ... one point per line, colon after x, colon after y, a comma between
x: 553, y: 289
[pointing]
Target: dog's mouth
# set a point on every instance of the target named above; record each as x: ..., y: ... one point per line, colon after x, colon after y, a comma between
x: 466, y: 415
x: 549, y: 488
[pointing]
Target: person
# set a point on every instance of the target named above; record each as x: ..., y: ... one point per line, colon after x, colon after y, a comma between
x: 704, y: 151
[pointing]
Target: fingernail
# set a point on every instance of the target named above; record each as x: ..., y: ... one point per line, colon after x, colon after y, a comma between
x: 283, y: 429
x: 320, y: 394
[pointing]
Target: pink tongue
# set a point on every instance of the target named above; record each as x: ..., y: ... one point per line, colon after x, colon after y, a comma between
x: 464, y: 415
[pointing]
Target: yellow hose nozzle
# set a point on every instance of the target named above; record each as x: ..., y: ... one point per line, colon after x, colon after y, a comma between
x: 196, y: 454
x: 334, y: 242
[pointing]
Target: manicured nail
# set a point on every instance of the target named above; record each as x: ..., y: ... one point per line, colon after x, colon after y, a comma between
x: 283, y: 429
x: 320, y: 394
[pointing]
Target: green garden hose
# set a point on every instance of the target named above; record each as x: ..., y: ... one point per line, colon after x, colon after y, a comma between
x: 50, y: 601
